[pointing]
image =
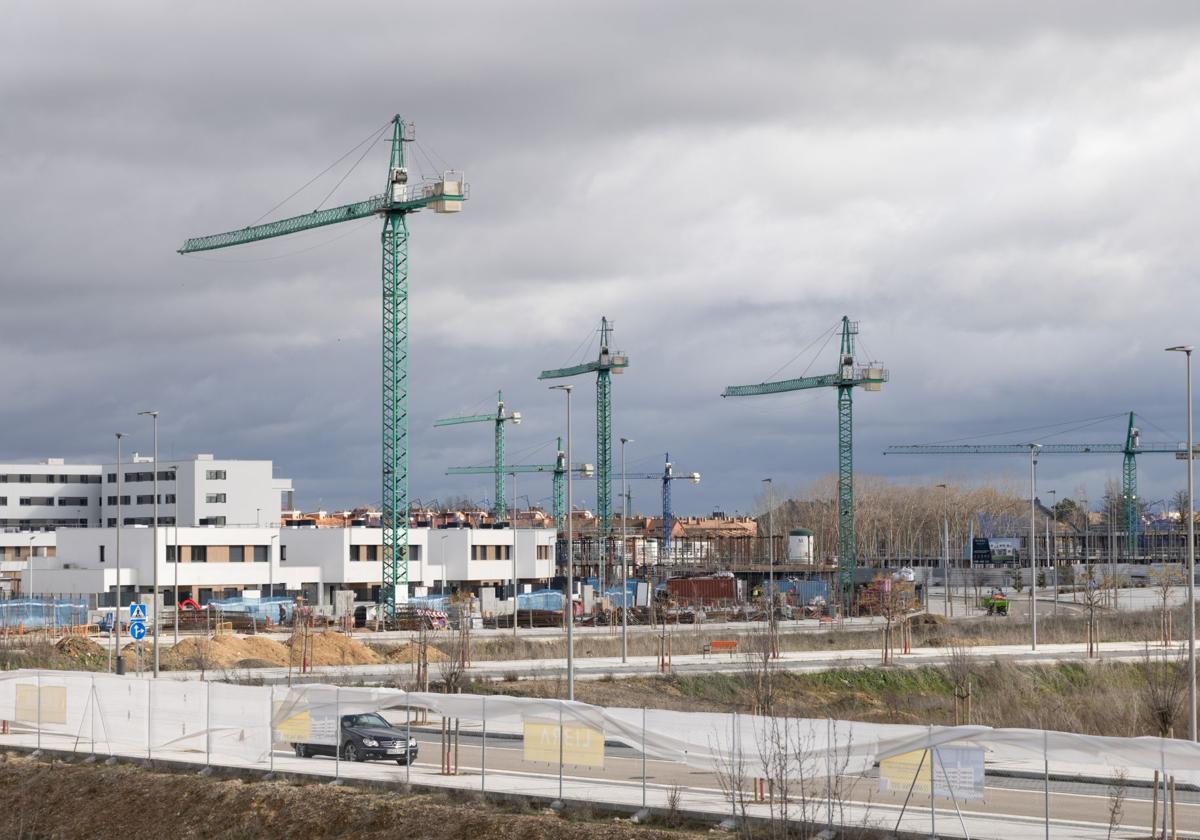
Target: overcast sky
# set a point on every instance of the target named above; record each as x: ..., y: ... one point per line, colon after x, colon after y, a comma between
x: 1003, y: 195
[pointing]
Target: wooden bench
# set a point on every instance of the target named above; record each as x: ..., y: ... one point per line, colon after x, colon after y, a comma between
x: 726, y: 646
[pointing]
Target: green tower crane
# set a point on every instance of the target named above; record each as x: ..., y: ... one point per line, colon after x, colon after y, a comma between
x: 558, y: 470
x: 499, y: 418
x: 606, y: 363
x: 1130, y: 449
x: 394, y: 205
x: 847, y: 377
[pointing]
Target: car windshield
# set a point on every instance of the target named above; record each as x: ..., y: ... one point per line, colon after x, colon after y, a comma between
x: 364, y: 720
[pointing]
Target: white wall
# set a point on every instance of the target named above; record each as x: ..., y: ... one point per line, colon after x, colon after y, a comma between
x: 252, y: 494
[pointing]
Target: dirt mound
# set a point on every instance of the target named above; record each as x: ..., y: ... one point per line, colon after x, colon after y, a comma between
x: 80, y: 648
x: 407, y: 653
x: 336, y: 649
x: 928, y: 620
x: 229, y: 651
x: 224, y: 652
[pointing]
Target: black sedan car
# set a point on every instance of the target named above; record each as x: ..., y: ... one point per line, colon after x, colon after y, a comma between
x: 367, y: 737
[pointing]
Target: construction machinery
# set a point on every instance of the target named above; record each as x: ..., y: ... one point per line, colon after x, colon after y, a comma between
x: 667, y: 477
x: 1130, y: 449
x: 399, y: 199
x: 606, y: 364
x: 498, y: 419
x: 558, y: 469
x: 845, y: 379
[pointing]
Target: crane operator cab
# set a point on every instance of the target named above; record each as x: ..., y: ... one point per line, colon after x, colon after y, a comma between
x: 399, y: 184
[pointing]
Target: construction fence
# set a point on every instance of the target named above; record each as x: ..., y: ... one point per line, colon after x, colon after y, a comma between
x: 38, y: 612
x: 139, y: 715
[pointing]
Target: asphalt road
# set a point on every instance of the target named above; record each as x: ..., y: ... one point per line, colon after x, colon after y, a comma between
x: 1077, y: 803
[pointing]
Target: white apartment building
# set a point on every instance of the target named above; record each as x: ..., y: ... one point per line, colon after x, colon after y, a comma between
x: 198, y: 490
x: 223, y: 562
x: 201, y: 490
x: 52, y: 494
x: 38, y: 499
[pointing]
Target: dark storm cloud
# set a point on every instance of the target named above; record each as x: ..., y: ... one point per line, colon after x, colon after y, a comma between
x: 1001, y: 193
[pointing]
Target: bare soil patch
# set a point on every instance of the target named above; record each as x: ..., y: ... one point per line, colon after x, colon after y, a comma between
x: 62, y: 801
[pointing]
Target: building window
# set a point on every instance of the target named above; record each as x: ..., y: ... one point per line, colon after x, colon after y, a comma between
x: 282, y: 553
x: 372, y: 553
x: 3, y: 500
x: 171, y: 552
x: 260, y: 554
x: 543, y: 552
x: 166, y: 475
x: 101, y: 554
x: 169, y: 499
x: 214, y: 498
x: 112, y: 500
x: 237, y: 554
x: 112, y: 478
x: 72, y: 501
x: 25, y: 478
x: 199, y: 554
x: 147, y: 499
x: 213, y: 520
x: 31, y: 501
x: 215, y: 475
x: 112, y: 522
x: 139, y: 476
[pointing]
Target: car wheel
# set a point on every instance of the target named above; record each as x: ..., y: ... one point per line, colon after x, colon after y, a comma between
x: 301, y: 750
x: 350, y: 752
x: 402, y: 762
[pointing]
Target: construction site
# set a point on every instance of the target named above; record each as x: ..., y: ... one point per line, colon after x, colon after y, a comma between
x: 535, y: 475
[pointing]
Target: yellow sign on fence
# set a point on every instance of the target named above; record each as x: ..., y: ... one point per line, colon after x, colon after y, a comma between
x: 296, y: 729
x: 53, y: 704
x: 898, y: 772
x: 581, y: 745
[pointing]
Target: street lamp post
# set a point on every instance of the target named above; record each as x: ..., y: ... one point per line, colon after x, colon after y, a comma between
x: 153, y: 415
x: 624, y: 561
x: 1033, y: 453
x: 514, y: 553
x: 1191, y: 552
x: 118, y: 661
x: 945, y: 552
x: 1051, y: 536
x: 771, y: 562
x: 569, y: 611
x: 271, y: 566
x: 175, y: 482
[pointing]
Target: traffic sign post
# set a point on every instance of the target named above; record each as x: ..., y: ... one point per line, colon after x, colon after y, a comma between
x: 137, y: 630
x: 137, y: 612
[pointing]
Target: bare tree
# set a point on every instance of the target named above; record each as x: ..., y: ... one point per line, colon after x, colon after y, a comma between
x: 959, y: 669
x: 729, y: 761
x: 1117, y: 789
x: 1165, y: 579
x: 760, y: 676
x: 1093, y: 595
x: 1163, y: 688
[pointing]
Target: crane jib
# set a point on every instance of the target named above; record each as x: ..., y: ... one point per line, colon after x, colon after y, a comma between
x: 376, y: 205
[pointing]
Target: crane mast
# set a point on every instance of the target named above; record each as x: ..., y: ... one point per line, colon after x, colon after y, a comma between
x: 848, y: 377
x: 1129, y: 450
x: 606, y: 364
x: 498, y: 420
x: 398, y: 200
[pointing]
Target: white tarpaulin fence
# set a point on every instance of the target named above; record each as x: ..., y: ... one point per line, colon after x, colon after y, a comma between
x: 233, y: 724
